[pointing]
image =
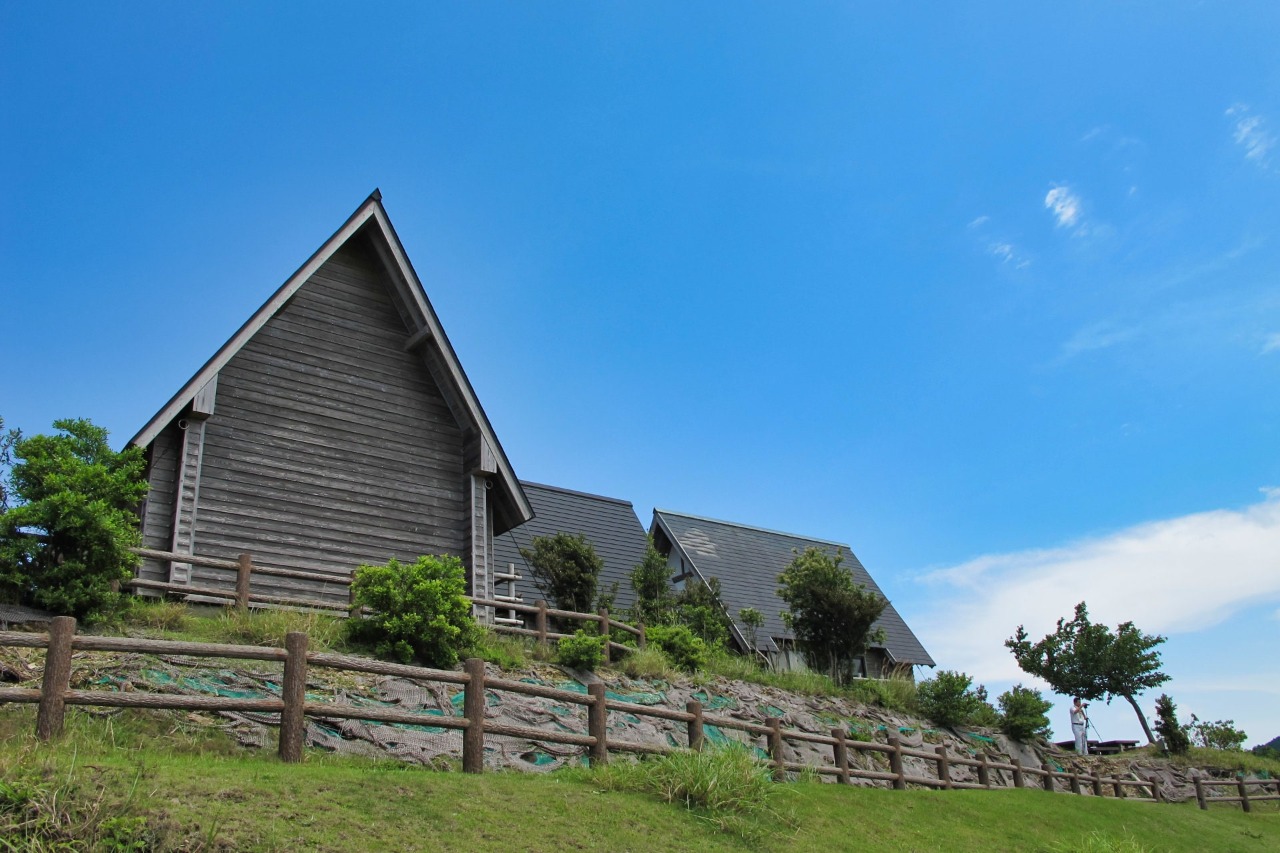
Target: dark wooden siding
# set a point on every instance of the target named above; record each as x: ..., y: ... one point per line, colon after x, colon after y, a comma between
x: 157, y: 516
x: 330, y: 445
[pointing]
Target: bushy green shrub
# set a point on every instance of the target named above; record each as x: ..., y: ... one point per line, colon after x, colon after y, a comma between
x: 580, y: 650
x: 1170, y: 730
x: 68, y: 517
x: 681, y: 647
x: 419, y: 610
x: 948, y: 700
x: 1023, y: 713
x: 1219, y: 734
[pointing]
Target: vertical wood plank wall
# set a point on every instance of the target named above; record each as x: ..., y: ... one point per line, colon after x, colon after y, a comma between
x: 157, y: 514
x: 330, y: 445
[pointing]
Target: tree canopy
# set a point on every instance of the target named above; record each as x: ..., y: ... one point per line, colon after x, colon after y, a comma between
x: 1087, y: 659
x: 566, y: 569
x: 830, y: 615
x: 68, y: 518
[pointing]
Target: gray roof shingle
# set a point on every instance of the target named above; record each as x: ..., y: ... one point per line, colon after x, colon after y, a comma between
x: 748, y: 560
x: 609, y: 524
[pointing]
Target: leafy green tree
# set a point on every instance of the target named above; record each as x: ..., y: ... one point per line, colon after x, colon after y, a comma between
x: 678, y: 643
x: 752, y: 621
x: 831, y: 616
x: 69, y: 519
x: 651, y: 580
x: 1171, y: 731
x: 948, y: 700
x: 1087, y: 659
x: 566, y: 569
x: 417, y: 609
x: 699, y: 607
x: 1219, y: 734
x: 1024, y: 713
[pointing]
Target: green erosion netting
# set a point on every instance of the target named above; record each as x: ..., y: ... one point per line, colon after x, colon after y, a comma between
x: 436, y: 746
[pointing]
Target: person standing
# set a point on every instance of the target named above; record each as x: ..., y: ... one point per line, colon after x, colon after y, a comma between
x: 1079, y: 725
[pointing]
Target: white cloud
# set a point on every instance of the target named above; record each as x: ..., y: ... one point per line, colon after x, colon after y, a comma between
x: 1271, y: 344
x: 1065, y: 206
x: 1180, y: 575
x: 1251, y: 133
x: 1097, y: 336
x: 980, y: 221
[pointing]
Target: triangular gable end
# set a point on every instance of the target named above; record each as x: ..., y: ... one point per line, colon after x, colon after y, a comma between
x: 486, y: 456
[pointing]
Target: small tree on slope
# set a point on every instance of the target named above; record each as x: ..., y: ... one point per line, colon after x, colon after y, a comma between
x: 1085, y: 659
x: 831, y: 616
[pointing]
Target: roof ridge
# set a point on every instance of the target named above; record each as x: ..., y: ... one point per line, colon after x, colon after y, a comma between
x: 844, y: 545
x: 563, y: 490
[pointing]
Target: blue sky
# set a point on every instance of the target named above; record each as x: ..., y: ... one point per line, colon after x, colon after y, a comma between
x: 987, y: 292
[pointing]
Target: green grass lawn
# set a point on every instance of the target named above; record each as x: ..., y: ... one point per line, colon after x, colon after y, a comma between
x: 144, y: 779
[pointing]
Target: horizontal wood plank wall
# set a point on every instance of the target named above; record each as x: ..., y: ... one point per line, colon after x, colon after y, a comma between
x: 330, y: 445
x: 157, y: 516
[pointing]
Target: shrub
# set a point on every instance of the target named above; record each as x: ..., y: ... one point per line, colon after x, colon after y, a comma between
x: 698, y: 607
x: 65, y: 540
x: 947, y: 700
x: 1023, y: 713
x: 752, y: 620
x: 580, y: 651
x: 420, y: 609
x: 681, y: 647
x: 1220, y: 734
x: 565, y: 568
x: 1170, y: 730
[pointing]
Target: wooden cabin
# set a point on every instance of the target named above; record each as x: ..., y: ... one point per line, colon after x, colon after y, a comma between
x: 747, y: 561
x: 336, y: 427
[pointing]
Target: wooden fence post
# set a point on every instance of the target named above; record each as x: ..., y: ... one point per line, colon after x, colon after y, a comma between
x: 1155, y: 789
x: 1075, y: 782
x: 604, y: 632
x: 642, y: 634
x: 294, y: 693
x: 540, y: 622
x: 1097, y: 784
x: 775, y: 749
x: 1204, y: 806
x: 984, y: 772
x: 696, y: 740
x: 1019, y: 781
x: 244, y: 568
x: 944, y: 766
x: 841, y: 755
x: 1244, y: 792
x: 1048, y: 777
x: 57, y: 677
x: 473, y: 710
x: 895, y: 763
x: 598, y: 725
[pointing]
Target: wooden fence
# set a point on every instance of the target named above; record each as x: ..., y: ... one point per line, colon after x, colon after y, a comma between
x: 243, y: 597
x: 1240, y: 786
x: 54, y: 695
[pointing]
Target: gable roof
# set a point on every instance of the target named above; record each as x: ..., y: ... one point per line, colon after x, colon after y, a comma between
x: 748, y: 560
x: 370, y: 221
x: 609, y: 524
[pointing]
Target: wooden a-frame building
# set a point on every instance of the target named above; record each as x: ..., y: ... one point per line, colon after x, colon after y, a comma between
x: 336, y: 427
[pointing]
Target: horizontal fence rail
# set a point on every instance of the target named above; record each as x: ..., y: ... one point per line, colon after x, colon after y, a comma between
x: 293, y: 707
x: 1206, y: 787
x: 243, y: 597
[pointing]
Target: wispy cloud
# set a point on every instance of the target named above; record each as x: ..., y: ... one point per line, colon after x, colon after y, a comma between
x: 1065, y: 206
x: 1251, y: 134
x: 1180, y: 575
x: 998, y: 246
x: 1097, y: 336
x: 1272, y: 344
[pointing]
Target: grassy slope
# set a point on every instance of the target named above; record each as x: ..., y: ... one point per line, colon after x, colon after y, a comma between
x: 201, y: 794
